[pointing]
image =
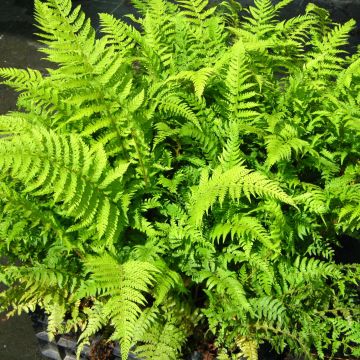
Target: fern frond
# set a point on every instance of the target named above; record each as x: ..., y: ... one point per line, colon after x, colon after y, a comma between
x: 175, y: 106
x: 314, y: 200
x: 280, y: 147
x: 163, y: 341
x: 262, y: 17
x: 232, y: 155
x: 19, y: 79
x: 192, y: 172
x: 326, y: 58
x: 49, y: 164
x: 34, y: 215
x: 236, y: 182
x: 247, y: 228
x: 74, y: 36
x: 226, y: 284
x: 119, y: 34
x: 313, y: 268
x: 95, y: 322
x: 122, y: 286
x: 241, y: 94
x: 248, y: 347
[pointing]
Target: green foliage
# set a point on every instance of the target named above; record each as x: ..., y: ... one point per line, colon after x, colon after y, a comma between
x: 191, y: 170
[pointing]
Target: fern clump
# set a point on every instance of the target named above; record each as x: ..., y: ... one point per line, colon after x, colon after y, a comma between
x: 190, y: 170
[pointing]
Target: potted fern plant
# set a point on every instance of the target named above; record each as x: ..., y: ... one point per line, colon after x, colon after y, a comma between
x: 186, y: 177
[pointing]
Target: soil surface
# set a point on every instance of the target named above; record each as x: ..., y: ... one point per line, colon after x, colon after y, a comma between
x: 18, y: 48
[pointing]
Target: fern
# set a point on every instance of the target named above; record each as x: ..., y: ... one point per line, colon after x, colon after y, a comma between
x: 162, y: 341
x: 122, y: 285
x: 190, y: 170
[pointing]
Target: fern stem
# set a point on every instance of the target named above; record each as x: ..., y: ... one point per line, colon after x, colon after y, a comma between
x: 113, y: 122
x: 141, y: 162
x: 285, y: 333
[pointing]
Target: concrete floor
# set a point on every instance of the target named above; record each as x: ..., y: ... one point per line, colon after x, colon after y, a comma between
x: 17, y: 49
x: 17, y: 339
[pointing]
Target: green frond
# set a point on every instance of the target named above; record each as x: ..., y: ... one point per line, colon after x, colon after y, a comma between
x: 236, y: 182
x: 283, y: 3
x: 314, y: 268
x: 122, y: 289
x: 346, y: 77
x: 208, y: 145
x: 199, y: 78
x: 32, y: 214
x: 76, y: 177
x: 296, y: 31
x: 232, y: 155
x: 248, y: 347
x: 119, y: 34
x: 35, y: 94
x: 162, y: 341
x: 226, y: 285
x: 242, y: 104
x: 326, y: 59
x: 40, y: 285
x: 246, y: 229
x: 144, y: 323
x: 95, y: 322
x: 19, y: 79
x: 282, y: 146
x: 72, y: 41
x: 349, y: 216
x: 175, y: 106
x: 56, y: 319
x: 189, y: 170
x: 270, y: 309
x: 315, y: 200
x: 262, y: 17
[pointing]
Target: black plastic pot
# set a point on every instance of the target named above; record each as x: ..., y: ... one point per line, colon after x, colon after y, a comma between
x: 63, y: 347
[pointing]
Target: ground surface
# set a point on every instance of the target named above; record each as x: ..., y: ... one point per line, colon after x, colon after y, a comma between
x: 17, y: 338
x: 18, y: 48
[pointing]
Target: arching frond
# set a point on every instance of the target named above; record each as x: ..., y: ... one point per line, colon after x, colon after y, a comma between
x: 236, y: 182
x: 49, y: 164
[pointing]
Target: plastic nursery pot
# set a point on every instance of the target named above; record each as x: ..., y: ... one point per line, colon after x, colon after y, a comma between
x: 63, y: 347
